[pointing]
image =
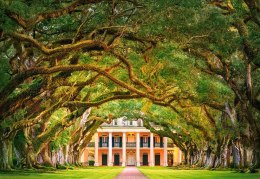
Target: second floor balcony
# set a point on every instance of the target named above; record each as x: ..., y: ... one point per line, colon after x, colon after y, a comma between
x: 128, y: 145
x: 131, y: 144
x: 103, y: 144
x: 118, y: 143
x: 147, y: 145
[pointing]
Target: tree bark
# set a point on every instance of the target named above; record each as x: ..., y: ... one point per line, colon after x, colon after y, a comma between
x: 45, y: 157
x: 256, y: 153
x: 5, y: 156
x: 236, y: 156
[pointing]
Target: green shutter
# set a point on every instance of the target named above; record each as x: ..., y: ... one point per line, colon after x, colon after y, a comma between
x: 148, y: 141
x: 154, y: 141
x: 161, y: 141
x: 113, y: 141
x: 120, y: 144
x: 100, y: 141
x: 141, y: 142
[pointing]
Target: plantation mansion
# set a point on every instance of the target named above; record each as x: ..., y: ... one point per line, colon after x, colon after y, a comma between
x: 126, y: 142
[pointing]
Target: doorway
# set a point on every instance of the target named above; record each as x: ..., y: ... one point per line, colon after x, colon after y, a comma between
x: 145, y: 159
x: 157, y: 159
x: 131, y: 159
x: 116, y: 159
x: 104, y: 159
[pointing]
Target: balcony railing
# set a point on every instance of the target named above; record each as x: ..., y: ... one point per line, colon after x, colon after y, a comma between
x: 128, y: 144
x: 103, y: 144
x: 145, y: 144
x: 117, y: 144
x: 157, y: 145
x: 131, y: 144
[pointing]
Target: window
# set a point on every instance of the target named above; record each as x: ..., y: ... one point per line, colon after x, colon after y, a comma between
x: 115, y: 122
x: 145, y: 139
x: 104, y: 139
x: 131, y: 123
x: 116, y: 139
x: 157, y: 139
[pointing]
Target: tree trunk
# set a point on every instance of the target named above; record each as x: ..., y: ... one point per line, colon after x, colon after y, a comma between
x: 10, y: 152
x: 30, y: 156
x: 256, y: 153
x: 5, y: 156
x: 245, y: 164
x: 225, y: 157
x: 212, y: 161
x: 45, y: 157
x: 54, y: 158
x: 236, y: 156
x: 77, y: 155
x: 18, y: 157
x: 66, y: 154
x: 228, y: 156
x: 208, y: 160
x: 185, y: 157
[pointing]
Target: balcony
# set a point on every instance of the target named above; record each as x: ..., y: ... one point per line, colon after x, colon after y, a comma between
x: 103, y: 144
x: 157, y: 145
x: 131, y: 144
x: 117, y: 144
x: 145, y: 145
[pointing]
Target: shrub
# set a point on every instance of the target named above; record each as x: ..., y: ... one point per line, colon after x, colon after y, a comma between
x: 91, y: 162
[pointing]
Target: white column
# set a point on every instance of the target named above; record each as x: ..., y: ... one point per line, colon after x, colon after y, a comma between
x: 138, y: 149
x: 124, y: 149
x: 151, y: 163
x: 165, y: 153
x: 110, y: 161
x: 96, y: 150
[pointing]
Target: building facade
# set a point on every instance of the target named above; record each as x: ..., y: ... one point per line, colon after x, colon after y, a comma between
x: 128, y: 143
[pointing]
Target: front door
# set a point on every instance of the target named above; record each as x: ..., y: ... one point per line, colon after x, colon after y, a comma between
x: 145, y: 159
x: 116, y: 159
x: 157, y: 159
x: 131, y: 159
x: 104, y: 159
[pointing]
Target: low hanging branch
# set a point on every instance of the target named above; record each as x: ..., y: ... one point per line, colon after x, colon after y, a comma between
x: 19, y: 78
x: 86, y: 44
x: 132, y: 76
x: 29, y: 23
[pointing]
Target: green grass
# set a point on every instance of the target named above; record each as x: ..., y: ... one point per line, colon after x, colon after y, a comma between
x: 88, y: 172
x: 167, y: 172
x: 111, y: 172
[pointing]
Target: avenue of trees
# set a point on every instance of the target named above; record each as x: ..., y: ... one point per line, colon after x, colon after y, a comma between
x: 191, y: 67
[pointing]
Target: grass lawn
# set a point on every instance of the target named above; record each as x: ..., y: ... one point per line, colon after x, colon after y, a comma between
x: 111, y: 172
x: 167, y: 172
x: 88, y: 172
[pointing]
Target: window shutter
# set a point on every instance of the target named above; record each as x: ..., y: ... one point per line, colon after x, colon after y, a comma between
x: 113, y: 141
x: 120, y: 144
x: 154, y: 141
x: 148, y: 141
x: 100, y: 141
x: 141, y: 142
x: 161, y: 141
